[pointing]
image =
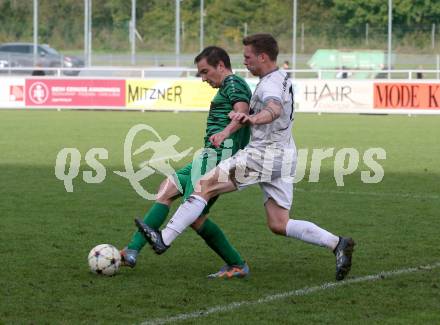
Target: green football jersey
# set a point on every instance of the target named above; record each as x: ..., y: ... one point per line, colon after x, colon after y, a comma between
x: 233, y: 90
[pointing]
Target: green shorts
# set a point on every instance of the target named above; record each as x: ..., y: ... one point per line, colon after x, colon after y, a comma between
x: 191, y: 173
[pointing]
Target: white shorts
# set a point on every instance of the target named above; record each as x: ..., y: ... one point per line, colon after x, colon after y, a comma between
x: 273, y: 170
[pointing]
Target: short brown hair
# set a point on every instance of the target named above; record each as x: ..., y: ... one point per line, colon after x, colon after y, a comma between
x: 213, y: 56
x: 263, y: 43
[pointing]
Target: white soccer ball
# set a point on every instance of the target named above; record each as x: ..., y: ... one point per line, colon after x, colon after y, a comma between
x: 104, y: 259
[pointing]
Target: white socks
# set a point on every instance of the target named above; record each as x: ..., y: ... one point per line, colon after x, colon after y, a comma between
x: 186, y: 214
x: 311, y: 233
x: 191, y: 209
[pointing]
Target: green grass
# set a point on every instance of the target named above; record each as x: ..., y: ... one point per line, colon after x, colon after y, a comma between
x: 46, y: 233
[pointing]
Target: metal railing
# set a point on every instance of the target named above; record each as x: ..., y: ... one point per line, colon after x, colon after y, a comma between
x: 183, y: 72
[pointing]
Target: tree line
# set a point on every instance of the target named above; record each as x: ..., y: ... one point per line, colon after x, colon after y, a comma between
x: 321, y: 23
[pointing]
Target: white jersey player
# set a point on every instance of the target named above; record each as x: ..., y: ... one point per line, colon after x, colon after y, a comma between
x: 269, y: 160
x: 271, y: 153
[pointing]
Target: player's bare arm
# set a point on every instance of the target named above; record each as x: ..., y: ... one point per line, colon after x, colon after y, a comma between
x: 234, y: 125
x: 268, y: 114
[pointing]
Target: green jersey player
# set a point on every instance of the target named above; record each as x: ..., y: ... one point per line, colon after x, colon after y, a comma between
x: 223, y: 138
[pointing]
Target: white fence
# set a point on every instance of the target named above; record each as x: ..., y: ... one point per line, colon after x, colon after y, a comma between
x: 180, y: 90
x: 167, y: 72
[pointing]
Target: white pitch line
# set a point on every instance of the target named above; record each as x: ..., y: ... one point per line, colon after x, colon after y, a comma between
x: 378, y: 194
x: 295, y: 293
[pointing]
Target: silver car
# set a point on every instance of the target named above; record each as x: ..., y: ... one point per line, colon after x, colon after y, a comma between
x: 22, y: 55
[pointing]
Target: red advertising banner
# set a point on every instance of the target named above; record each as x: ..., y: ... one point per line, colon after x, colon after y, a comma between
x: 75, y: 92
x: 407, y: 95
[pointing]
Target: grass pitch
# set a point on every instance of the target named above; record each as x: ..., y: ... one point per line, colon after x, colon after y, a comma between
x: 46, y: 233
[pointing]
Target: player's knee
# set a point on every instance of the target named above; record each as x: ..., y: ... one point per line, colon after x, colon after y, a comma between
x: 167, y: 192
x: 277, y: 227
x: 277, y: 217
x: 207, y: 188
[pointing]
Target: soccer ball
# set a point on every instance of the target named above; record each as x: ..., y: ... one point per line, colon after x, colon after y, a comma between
x: 104, y: 259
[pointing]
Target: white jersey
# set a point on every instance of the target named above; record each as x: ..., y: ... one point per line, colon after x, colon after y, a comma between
x: 276, y: 86
x: 270, y: 157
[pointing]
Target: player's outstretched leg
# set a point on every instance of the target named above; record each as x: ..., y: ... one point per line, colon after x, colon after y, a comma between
x: 219, y: 243
x: 153, y: 236
x: 343, y: 253
x: 155, y: 216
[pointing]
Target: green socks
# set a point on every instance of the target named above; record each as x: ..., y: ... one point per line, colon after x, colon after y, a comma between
x: 217, y: 241
x: 209, y: 231
x: 154, y: 218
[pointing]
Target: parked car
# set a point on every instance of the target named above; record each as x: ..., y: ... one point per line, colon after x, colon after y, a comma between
x: 22, y: 55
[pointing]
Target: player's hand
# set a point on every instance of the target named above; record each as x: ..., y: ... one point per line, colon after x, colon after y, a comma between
x: 239, y: 117
x: 218, y: 138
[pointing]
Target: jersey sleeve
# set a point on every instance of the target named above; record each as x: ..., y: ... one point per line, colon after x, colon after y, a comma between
x: 237, y: 91
x: 272, y: 90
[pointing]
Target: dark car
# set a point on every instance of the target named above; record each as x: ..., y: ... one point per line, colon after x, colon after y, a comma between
x: 22, y: 55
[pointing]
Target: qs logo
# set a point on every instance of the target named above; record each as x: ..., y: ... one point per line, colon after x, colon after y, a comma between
x: 164, y: 152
